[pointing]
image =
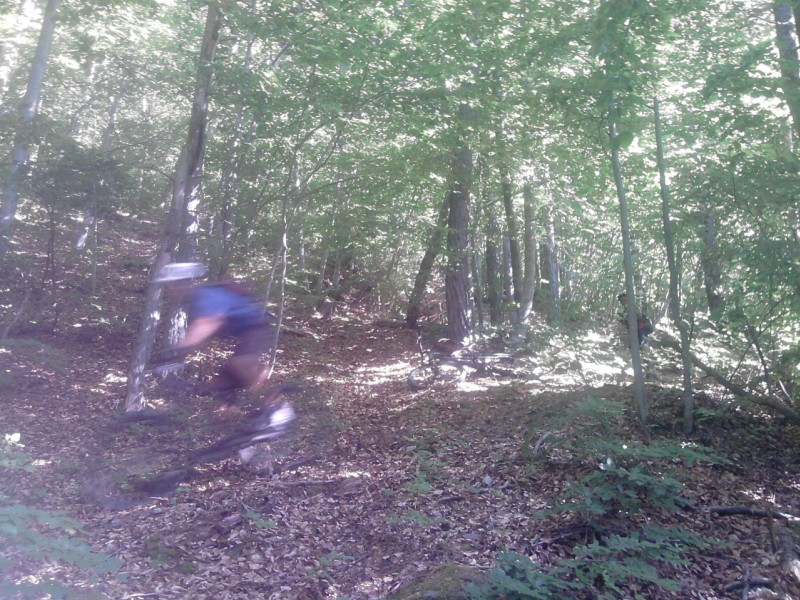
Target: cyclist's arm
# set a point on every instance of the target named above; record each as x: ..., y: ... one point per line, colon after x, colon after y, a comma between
x: 200, y: 329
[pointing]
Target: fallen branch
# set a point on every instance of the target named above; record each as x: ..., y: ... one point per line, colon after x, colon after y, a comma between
x: 726, y: 511
x: 750, y: 583
x: 772, y: 402
x: 290, y: 484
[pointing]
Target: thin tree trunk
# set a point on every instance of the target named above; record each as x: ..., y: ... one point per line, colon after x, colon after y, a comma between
x: 180, y: 232
x: 508, y: 276
x: 320, y: 284
x: 712, y: 269
x: 786, y: 40
x: 674, y: 282
x: 553, y: 275
x: 19, y: 164
x: 529, y: 272
x: 494, y: 282
x: 426, y: 266
x: 229, y: 182
x: 633, y: 332
x: 510, y: 219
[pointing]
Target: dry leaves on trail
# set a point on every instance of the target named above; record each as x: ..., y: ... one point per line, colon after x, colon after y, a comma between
x: 382, y: 484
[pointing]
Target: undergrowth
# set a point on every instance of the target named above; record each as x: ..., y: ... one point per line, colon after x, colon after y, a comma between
x: 618, y: 484
x: 33, y: 536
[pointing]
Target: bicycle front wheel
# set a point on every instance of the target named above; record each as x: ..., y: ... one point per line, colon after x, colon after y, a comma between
x: 443, y: 373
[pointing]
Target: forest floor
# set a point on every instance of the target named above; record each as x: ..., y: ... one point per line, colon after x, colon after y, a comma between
x: 382, y: 484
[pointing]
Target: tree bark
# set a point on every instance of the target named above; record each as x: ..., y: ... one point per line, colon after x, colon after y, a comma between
x: 674, y: 281
x: 457, y: 284
x: 786, y: 41
x: 426, y: 266
x: 19, y: 165
x: 180, y: 235
x: 636, y: 358
x: 494, y: 282
x: 712, y: 270
x: 510, y: 219
x: 529, y: 272
x: 553, y: 274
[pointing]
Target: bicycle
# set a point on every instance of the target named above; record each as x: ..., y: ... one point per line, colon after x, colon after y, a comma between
x: 128, y: 483
x: 450, y: 368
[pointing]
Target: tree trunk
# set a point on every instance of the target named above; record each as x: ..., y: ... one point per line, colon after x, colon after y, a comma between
x: 553, y: 274
x: 19, y: 165
x: 508, y: 275
x: 511, y: 220
x: 494, y: 282
x: 529, y: 272
x: 180, y: 232
x: 229, y: 182
x: 786, y: 40
x: 712, y: 270
x: 457, y: 284
x: 674, y: 282
x: 426, y: 266
x: 633, y: 332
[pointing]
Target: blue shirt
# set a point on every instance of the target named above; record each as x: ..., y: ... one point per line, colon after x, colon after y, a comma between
x: 240, y: 312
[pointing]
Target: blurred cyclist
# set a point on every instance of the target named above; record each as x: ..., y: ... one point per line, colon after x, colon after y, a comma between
x: 220, y: 309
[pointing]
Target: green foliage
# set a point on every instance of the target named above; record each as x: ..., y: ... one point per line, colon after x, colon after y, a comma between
x: 333, y: 557
x: 259, y: 521
x: 32, y: 535
x: 623, y: 481
x: 420, y: 485
x: 517, y: 577
x: 11, y: 454
x: 620, y: 560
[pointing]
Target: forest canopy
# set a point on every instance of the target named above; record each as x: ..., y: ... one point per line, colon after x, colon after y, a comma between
x: 332, y: 134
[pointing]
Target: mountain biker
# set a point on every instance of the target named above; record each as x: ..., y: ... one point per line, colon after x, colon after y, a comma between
x: 643, y: 325
x: 220, y: 309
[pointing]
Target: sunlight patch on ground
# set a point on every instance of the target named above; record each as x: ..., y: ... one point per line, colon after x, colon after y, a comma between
x: 377, y: 585
x: 377, y: 375
x: 354, y: 474
x: 761, y: 495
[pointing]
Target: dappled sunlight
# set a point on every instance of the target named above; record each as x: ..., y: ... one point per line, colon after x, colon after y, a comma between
x: 382, y: 374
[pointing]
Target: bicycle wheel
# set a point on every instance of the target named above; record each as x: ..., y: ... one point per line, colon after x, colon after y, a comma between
x: 445, y: 373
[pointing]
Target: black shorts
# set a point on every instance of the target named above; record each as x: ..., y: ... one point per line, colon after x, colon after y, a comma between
x: 254, y: 341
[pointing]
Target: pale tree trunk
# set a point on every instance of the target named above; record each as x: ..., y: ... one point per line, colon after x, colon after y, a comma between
x: 712, y: 269
x: 19, y: 164
x: 457, y: 284
x: 674, y: 282
x: 529, y: 272
x: 180, y: 236
x: 508, y: 277
x: 320, y: 284
x: 511, y: 219
x: 426, y: 266
x: 553, y: 274
x: 476, y: 263
x: 229, y: 181
x: 90, y: 216
x: 289, y: 214
x: 633, y: 330
x: 494, y: 282
x: 786, y: 40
